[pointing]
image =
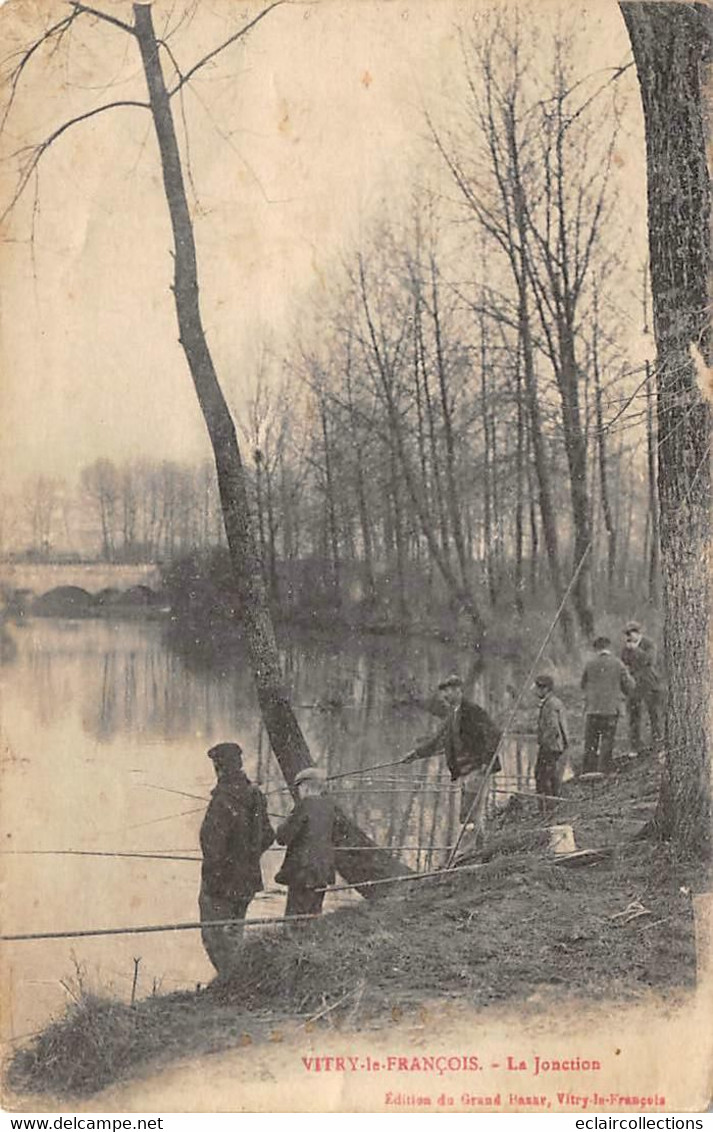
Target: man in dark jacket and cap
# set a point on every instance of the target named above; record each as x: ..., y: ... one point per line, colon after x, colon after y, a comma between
x: 639, y: 656
x: 468, y: 739
x: 309, y: 833
x: 235, y: 833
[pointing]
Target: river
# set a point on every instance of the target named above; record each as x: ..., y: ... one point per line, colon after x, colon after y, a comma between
x: 105, y: 728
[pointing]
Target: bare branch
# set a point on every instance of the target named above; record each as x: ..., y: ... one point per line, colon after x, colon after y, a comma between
x: 217, y: 50
x: 57, y: 30
x: 82, y: 9
x: 38, y: 151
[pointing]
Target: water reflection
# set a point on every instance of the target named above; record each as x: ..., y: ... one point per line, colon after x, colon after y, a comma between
x: 102, y: 723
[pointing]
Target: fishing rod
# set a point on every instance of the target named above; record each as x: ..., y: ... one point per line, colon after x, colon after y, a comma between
x: 364, y: 770
x: 195, y: 857
x: 196, y: 924
x: 142, y: 929
x: 171, y: 790
x: 477, y: 801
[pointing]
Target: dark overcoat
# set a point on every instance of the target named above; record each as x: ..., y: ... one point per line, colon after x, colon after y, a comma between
x: 468, y: 742
x: 235, y: 832
x: 309, y: 834
x: 641, y: 662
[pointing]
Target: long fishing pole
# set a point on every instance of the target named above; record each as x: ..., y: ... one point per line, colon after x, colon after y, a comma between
x: 197, y: 858
x: 196, y: 924
x: 363, y: 770
x: 524, y: 687
x: 344, y: 774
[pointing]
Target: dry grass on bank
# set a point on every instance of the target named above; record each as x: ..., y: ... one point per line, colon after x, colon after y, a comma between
x: 520, y: 926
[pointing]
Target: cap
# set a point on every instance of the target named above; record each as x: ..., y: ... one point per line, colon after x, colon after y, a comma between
x: 601, y: 643
x: 544, y: 680
x: 226, y: 751
x: 632, y: 627
x: 452, y: 681
x: 310, y: 774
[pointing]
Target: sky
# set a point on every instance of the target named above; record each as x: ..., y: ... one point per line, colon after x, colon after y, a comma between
x: 297, y: 137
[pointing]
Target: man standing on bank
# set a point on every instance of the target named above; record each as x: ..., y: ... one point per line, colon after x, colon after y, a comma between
x: 552, y: 742
x: 604, y: 680
x: 234, y: 834
x: 639, y: 656
x: 309, y: 834
x: 468, y: 739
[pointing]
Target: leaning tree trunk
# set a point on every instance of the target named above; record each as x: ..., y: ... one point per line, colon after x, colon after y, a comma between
x: 287, y: 741
x: 671, y: 44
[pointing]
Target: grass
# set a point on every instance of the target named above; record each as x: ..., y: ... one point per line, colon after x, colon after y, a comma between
x: 517, y: 926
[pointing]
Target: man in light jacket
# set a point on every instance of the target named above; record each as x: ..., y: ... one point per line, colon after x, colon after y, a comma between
x: 552, y: 742
x: 605, y: 680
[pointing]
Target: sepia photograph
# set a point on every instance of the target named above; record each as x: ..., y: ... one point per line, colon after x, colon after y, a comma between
x: 355, y: 557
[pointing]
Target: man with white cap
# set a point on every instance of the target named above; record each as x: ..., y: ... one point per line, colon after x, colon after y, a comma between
x: 309, y: 834
x: 468, y: 739
x: 639, y: 656
x: 235, y: 833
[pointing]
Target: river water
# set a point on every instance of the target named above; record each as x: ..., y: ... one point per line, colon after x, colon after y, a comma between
x: 105, y: 728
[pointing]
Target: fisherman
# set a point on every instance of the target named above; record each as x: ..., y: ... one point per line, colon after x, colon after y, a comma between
x: 552, y: 742
x: 234, y: 834
x: 309, y: 833
x: 639, y: 656
x: 604, y: 680
x: 468, y: 739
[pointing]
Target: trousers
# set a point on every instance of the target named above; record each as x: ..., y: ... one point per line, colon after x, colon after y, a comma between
x: 548, y: 777
x: 469, y: 812
x: 653, y: 702
x: 222, y: 943
x: 599, y: 735
x: 303, y: 901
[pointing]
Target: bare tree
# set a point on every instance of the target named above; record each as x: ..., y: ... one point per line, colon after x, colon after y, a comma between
x: 100, y: 481
x: 41, y: 501
x: 283, y: 729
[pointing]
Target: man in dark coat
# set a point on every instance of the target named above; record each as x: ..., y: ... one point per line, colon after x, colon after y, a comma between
x: 234, y: 834
x: 309, y: 834
x: 604, y: 681
x: 468, y: 739
x: 639, y: 656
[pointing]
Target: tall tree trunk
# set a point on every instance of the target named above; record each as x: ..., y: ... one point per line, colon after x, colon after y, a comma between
x: 519, y: 265
x: 602, y: 452
x: 259, y: 510
x: 286, y: 738
x: 576, y: 452
x: 487, y: 470
x: 519, y: 488
x: 369, y: 577
x: 534, y: 536
x: 332, y: 527
x: 446, y: 412
x: 437, y: 494
x: 672, y: 48
x: 654, y: 537
x: 273, y: 579
x: 395, y: 493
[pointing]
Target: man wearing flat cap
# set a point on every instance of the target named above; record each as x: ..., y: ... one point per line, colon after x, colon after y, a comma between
x: 639, y: 656
x: 309, y: 833
x: 468, y: 739
x: 552, y: 742
x: 235, y: 833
